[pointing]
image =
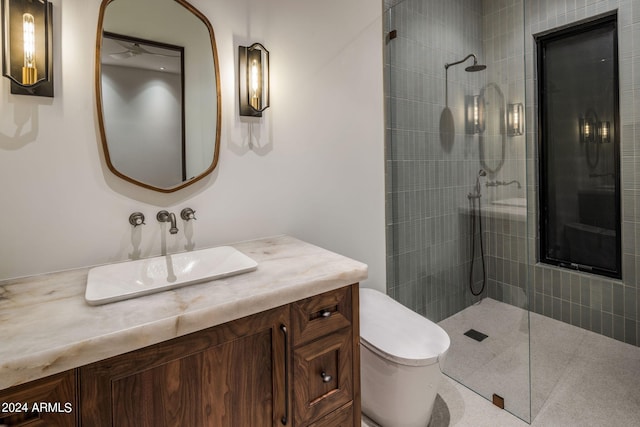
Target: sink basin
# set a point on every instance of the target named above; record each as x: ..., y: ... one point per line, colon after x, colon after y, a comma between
x: 518, y: 202
x: 116, y: 282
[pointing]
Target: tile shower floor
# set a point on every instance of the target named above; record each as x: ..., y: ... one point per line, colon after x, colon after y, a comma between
x: 579, y: 378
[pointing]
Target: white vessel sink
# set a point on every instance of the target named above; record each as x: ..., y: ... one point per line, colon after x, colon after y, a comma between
x: 116, y: 282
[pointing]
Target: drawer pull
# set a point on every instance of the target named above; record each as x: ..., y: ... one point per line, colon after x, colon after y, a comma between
x: 325, y: 313
x: 285, y: 419
x: 325, y: 377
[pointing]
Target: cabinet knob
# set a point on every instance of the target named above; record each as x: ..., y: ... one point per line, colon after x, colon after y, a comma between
x: 325, y: 377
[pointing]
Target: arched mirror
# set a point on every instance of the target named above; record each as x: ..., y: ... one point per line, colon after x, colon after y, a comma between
x: 494, y: 138
x: 158, y: 92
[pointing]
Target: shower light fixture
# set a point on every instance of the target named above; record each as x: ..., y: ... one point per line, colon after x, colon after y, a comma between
x: 253, y: 79
x: 27, y: 49
x: 587, y: 130
x: 604, y: 132
x: 515, y: 119
x: 593, y: 130
x: 474, y: 114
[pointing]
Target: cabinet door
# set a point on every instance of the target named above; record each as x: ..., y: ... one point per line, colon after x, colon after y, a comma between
x: 230, y: 375
x: 322, y: 376
x: 49, y: 402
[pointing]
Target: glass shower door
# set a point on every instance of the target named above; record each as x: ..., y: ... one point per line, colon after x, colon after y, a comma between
x: 456, y: 185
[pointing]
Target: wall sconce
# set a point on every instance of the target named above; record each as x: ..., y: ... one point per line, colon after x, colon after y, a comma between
x: 515, y: 119
x: 253, y: 79
x: 27, y: 49
x: 587, y: 130
x: 604, y: 132
x: 474, y: 114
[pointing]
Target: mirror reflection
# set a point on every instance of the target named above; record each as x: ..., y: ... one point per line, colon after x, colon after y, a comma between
x: 158, y: 92
x: 493, y: 139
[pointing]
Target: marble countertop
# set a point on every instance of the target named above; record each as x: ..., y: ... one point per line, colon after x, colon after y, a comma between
x: 46, y: 326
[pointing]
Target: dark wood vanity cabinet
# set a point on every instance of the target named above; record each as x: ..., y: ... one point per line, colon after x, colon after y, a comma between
x: 326, y: 359
x: 229, y: 375
x: 47, y: 402
x: 295, y: 365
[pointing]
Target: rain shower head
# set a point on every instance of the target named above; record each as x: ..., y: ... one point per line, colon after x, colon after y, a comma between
x: 472, y: 68
x: 475, y: 67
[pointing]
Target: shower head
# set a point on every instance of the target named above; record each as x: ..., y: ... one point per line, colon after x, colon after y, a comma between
x: 475, y: 67
x: 482, y: 172
x: 471, y: 68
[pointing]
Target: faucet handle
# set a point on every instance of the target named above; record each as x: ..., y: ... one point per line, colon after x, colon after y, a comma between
x: 188, y: 214
x: 136, y: 219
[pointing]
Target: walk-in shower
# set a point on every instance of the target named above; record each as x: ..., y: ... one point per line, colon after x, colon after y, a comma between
x: 559, y: 212
x: 449, y: 247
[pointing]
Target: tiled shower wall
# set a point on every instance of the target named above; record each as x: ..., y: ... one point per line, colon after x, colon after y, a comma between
x: 428, y: 249
x: 599, y: 304
x: 428, y: 174
x: 504, y: 234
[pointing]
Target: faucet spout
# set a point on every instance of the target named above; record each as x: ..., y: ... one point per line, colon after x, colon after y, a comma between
x: 164, y: 216
x: 172, y: 219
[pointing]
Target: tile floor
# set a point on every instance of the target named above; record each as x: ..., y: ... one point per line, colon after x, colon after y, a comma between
x: 579, y: 378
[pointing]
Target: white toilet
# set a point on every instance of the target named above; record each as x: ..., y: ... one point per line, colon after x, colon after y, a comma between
x: 400, y: 355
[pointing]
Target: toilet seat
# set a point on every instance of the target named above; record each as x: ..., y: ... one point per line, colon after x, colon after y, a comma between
x: 397, y: 333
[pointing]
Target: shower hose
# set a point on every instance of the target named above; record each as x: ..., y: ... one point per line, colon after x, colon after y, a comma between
x: 476, y: 214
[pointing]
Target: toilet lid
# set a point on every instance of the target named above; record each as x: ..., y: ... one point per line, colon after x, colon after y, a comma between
x: 398, y: 334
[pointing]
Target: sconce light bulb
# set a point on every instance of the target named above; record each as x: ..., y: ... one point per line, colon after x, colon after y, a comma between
x: 29, y: 72
x: 29, y: 37
x: 587, y: 129
x: 604, y: 132
x: 476, y: 113
x: 254, y: 77
x: 255, y: 85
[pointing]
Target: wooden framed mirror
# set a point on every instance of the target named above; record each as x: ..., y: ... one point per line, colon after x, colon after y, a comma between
x: 158, y: 92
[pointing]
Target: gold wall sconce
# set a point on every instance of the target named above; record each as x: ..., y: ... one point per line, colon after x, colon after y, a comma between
x: 474, y: 114
x: 253, y: 79
x: 515, y: 119
x: 27, y: 49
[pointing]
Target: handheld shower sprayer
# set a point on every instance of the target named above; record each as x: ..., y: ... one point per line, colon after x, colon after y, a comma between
x: 476, y: 194
x: 476, y: 219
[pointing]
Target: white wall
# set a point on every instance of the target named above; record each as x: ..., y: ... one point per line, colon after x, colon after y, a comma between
x: 312, y: 167
x: 143, y: 123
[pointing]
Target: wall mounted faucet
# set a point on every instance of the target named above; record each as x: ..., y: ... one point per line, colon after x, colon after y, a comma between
x: 164, y: 216
x: 188, y: 214
x: 136, y: 219
x: 498, y: 183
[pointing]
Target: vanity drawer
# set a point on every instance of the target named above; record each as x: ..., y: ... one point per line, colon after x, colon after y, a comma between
x: 323, y: 376
x: 321, y: 315
x: 343, y: 417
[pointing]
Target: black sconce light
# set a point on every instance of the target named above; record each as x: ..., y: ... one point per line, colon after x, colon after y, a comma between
x: 253, y: 79
x: 515, y: 119
x: 593, y: 130
x: 474, y: 114
x: 27, y: 49
x: 604, y: 132
x: 587, y: 130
